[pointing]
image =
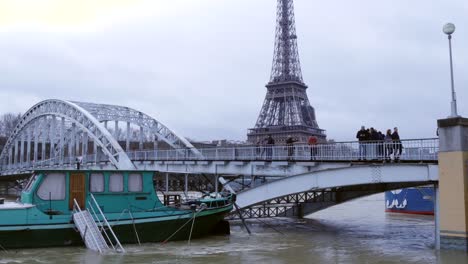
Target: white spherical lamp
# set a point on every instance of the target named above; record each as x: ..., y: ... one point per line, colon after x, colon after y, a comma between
x: 449, y: 28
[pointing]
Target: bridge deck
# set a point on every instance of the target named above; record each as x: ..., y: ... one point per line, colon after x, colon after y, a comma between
x: 405, y: 151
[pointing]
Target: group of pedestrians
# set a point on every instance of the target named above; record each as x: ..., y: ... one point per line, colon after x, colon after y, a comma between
x: 265, y: 146
x: 373, y: 144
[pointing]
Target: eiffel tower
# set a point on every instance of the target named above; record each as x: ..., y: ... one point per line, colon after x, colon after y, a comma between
x: 286, y: 109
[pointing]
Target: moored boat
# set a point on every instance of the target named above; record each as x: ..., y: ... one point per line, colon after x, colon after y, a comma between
x: 415, y: 200
x: 43, y: 216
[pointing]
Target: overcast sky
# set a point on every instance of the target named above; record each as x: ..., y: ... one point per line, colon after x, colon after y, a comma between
x: 200, y: 66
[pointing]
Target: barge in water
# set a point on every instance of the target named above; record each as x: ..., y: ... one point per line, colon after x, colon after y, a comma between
x: 126, y: 200
x: 415, y: 200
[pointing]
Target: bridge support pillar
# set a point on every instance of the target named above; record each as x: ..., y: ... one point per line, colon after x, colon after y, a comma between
x: 167, y: 181
x: 127, y: 139
x: 186, y: 183
x: 453, y: 183
x: 140, y: 144
x: 300, y: 210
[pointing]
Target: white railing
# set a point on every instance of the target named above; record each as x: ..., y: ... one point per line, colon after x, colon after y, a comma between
x: 118, y: 247
x: 80, y: 220
x: 410, y: 150
x: 404, y: 150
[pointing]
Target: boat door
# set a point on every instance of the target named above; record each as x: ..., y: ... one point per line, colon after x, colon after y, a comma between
x: 77, y: 189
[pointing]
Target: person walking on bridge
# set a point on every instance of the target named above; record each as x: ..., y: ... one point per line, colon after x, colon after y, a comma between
x: 258, y: 148
x: 290, y: 145
x: 373, y: 147
x: 312, y: 141
x: 388, y: 145
x: 397, y: 146
x: 363, y: 136
x: 269, y: 146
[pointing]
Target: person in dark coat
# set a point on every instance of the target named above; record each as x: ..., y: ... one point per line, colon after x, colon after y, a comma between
x: 374, y: 137
x: 258, y: 149
x: 380, y: 145
x: 269, y: 146
x: 78, y: 160
x: 397, y: 146
x: 362, y: 136
x: 290, y: 145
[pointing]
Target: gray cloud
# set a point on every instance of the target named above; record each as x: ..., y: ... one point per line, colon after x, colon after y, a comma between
x: 202, y: 69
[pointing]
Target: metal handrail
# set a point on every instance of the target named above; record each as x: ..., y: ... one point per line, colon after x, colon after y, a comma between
x: 101, y: 225
x: 413, y: 149
x: 133, y: 222
x: 426, y: 149
x: 76, y: 205
x: 107, y: 223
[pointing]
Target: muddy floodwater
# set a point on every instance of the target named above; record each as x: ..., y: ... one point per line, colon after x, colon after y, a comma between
x: 354, y: 232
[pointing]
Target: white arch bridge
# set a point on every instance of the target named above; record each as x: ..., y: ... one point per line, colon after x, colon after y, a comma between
x: 271, y: 180
x: 55, y: 132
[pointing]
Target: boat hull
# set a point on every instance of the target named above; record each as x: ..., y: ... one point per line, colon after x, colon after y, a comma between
x: 147, y: 230
x: 417, y: 200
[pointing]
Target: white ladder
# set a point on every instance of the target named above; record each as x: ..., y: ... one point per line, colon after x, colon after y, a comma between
x: 90, y: 232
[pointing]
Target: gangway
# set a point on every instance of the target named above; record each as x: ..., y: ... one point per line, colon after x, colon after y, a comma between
x: 91, y: 233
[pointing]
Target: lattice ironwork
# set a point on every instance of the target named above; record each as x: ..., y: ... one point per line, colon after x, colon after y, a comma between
x: 304, y: 203
x: 57, y: 132
x: 46, y: 124
x: 116, y: 113
x: 286, y: 109
x: 290, y: 205
x: 286, y: 65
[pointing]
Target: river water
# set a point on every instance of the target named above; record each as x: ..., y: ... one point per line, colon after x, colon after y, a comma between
x: 354, y: 232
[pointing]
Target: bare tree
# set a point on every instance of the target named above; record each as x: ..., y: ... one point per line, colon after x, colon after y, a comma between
x: 8, y: 122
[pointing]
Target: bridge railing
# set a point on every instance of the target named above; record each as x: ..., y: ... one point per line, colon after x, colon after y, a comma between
x: 411, y: 150
x: 405, y: 150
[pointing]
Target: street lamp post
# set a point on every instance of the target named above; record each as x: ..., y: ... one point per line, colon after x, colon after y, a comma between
x: 448, y: 29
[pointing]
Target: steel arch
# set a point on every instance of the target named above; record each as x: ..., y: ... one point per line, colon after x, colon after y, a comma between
x: 106, y: 112
x: 338, y: 177
x: 82, y: 118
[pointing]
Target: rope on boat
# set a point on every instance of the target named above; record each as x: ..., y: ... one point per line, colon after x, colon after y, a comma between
x: 193, y: 223
x: 193, y: 218
x: 191, y: 229
x: 6, y: 251
x: 134, y: 227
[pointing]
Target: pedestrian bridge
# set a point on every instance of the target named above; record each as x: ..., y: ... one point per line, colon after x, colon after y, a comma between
x: 57, y: 135
x: 306, y: 193
x: 235, y: 160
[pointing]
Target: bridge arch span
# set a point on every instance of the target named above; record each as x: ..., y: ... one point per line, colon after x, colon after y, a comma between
x: 106, y: 112
x: 40, y: 123
x: 392, y: 175
x: 58, y: 131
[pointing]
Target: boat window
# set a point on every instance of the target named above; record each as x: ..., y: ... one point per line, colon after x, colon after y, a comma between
x: 135, y: 182
x: 116, y: 182
x: 30, y: 183
x: 52, y: 187
x: 96, y: 182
